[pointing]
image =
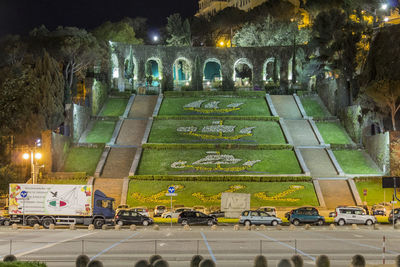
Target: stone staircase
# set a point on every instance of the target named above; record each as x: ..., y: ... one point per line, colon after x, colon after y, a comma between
x: 336, y: 192
x: 111, y: 187
x: 119, y: 162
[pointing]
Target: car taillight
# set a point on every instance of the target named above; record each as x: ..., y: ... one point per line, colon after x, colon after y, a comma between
x: 336, y: 214
x: 116, y: 217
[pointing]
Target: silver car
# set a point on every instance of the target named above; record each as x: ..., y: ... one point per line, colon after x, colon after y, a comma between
x: 250, y: 217
x: 353, y: 215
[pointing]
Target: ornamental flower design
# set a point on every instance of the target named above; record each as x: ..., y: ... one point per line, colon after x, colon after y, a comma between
x: 217, y: 197
x: 281, y: 196
x: 211, y: 107
x: 218, y: 159
x: 156, y: 197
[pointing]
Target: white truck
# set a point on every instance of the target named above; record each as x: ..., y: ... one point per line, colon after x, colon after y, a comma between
x: 47, y: 204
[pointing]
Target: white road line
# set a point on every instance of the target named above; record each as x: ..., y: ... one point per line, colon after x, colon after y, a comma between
x: 112, y: 246
x: 208, y: 247
x: 50, y: 245
x: 288, y: 246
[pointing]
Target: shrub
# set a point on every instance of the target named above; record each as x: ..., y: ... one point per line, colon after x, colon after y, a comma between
x: 160, y: 263
x: 284, y: 263
x: 10, y: 257
x: 216, y: 146
x: 195, y: 261
x: 222, y: 178
x: 214, y: 93
x: 95, y: 263
x: 203, y: 117
x: 260, y: 261
x: 142, y: 263
x: 323, y: 261
x: 207, y: 263
x: 297, y: 261
x: 358, y: 261
x: 153, y: 258
x: 82, y: 261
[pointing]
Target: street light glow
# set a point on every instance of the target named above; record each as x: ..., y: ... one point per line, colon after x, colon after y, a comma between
x: 155, y: 38
x: 25, y: 156
x: 221, y: 43
x: 38, y: 155
x: 384, y: 6
x: 386, y: 19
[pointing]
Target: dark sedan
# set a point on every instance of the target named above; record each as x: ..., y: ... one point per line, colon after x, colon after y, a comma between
x: 196, y: 217
x: 128, y: 217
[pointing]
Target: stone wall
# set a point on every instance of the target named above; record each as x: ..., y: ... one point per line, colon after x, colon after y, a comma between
x: 377, y: 147
x: 99, y: 96
x: 59, y: 150
x: 80, y: 119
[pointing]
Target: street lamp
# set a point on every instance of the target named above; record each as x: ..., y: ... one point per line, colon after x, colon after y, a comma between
x: 155, y: 38
x: 384, y: 6
x: 33, y: 155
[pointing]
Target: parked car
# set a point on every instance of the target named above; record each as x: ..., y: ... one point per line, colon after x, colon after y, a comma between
x: 396, y: 216
x: 4, y: 221
x: 269, y: 210
x: 259, y: 217
x: 196, y: 217
x: 217, y: 214
x: 121, y: 207
x: 175, y: 213
x: 142, y: 210
x: 159, y: 210
x: 378, y: 210
x: 305, y: 215
x: 353, y: 215
x: 200, y: 208
x: 128, y: 217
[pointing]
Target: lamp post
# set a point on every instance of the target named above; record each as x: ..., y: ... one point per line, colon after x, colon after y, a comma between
x: 31, y: 155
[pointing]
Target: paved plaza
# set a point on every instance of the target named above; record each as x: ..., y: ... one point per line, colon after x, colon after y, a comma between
x: 225, y: 246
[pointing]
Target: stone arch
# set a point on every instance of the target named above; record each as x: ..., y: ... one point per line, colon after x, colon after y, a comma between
x: 182, y: 71
x: 212, y: 77
x: 270, y: 68
x: 135, y: 67
x: 158, y: 73
x: 248, y: 78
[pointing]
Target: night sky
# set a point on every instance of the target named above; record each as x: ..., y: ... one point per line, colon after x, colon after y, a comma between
x: 20, y: 16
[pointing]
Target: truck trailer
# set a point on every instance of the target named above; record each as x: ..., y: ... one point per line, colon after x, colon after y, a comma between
x: 59, y: 204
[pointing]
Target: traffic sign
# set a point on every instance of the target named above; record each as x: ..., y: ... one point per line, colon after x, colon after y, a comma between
x: 171, y: 194
x: 171, y: 189
x: 23, y: 194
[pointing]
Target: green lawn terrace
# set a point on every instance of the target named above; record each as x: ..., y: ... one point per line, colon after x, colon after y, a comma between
x: 208, y: 194
x: 375, y: 193
x: 114, y: 107
x: 333, y: 133
x: 215, y: 106
x: 216, y: 131
x: 313, y: 107
x: 101, y: 132
x: 356, y: 162
x: 218, y: 162
x: 83, y: 159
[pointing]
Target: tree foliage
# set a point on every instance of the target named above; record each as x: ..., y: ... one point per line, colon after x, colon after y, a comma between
x: 270, y: 33
x: 179, y: 33
x: 386, y: 94
x: 120, y: 31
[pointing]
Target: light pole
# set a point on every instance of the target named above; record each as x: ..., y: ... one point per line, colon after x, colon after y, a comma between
x: 31, y: 155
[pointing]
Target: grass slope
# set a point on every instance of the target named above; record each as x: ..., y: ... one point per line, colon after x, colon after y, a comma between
x: 375, y: 192
x: 333, y: 133
x: 266, y: 132
x: 250, y: 107
x: 146, y: 193
x: 82, y: 159
x: 313, y: 108
x: 114, y: 107
x: 354, y: 162
x: 101, y: 132
x: 272, y: 161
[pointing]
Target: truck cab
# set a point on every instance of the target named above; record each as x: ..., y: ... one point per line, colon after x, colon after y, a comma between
x: 103, y: 206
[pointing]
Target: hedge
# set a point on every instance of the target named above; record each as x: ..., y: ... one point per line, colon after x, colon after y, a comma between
x: 214, y: 93
x: 217, y: 146
x: 202, y: 117
x: 222, y: 178
x: 368, y: 179
x: 345, y: 146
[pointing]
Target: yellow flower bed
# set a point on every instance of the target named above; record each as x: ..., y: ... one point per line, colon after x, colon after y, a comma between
x: 157, y: 197
x: 280, y: 196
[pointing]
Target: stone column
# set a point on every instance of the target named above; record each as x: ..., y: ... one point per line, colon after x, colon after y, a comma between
x: 227, y: 75
x: 167, y: 83
x: 258, y: 73
x: 284, y: 80
x: 121, y: 71
x: 141, y: 71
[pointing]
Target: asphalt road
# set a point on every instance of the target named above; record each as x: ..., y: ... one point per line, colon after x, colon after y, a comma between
x: 226, y: 246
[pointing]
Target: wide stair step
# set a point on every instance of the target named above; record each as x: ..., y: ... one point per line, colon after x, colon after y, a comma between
x: 119, y: 162
x: 336, y: 192
x: 112, y: 187
x: 143, y: 106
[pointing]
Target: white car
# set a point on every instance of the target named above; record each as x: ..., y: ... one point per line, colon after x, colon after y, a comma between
x: 175, y: 213
x: 142, y: 210
x: 350, y: 215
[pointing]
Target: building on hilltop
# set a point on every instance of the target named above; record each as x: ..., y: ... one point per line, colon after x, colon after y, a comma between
x: 208, y: 8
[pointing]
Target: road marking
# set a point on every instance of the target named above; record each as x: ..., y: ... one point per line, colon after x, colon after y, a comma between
x: 47, y: 246
x: 112, y: 246
x: 289, y: 246
x: 208, y: 247
x: 357, y: 244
